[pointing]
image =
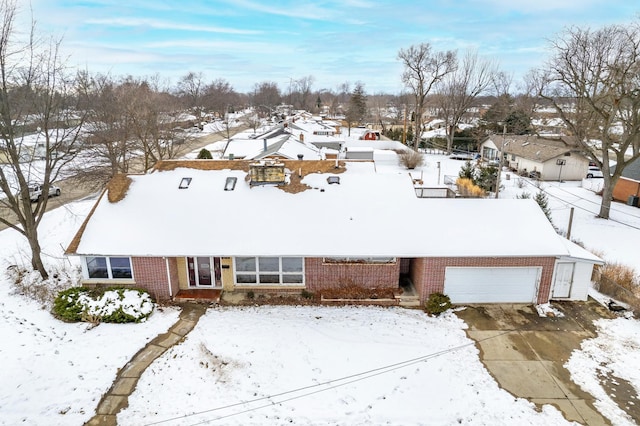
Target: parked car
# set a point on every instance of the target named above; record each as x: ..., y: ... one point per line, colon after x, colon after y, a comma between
x: 594, y: 172
x: 35, y: 192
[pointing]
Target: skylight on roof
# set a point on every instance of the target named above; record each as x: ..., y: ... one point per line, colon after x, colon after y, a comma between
x: 230, y: 183
x: 184, y: 183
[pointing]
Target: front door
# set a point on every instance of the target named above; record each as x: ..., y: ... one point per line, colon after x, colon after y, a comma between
x: 204, y: 271
x: 563, y: 281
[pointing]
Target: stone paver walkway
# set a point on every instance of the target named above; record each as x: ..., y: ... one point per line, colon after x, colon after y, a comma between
x: 125, y: 383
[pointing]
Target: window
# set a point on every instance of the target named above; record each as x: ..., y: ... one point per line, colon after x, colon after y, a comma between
x: 371, y: 259
x: 108, y: 267
x: 269, y: 270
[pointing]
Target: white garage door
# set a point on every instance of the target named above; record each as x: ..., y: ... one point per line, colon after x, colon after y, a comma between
x: 491, y: 285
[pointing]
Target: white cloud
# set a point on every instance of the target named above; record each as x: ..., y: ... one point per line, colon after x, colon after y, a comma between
x: 157, y: 24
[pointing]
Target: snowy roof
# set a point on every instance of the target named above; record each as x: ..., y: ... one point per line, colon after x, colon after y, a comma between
x: 366, y: 214
x: 577, y: 252
x: 284, y: 145
x: 534, y: 147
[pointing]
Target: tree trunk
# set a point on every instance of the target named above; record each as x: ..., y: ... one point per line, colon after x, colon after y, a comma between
x: 31, y: 232
x: 607, y: 195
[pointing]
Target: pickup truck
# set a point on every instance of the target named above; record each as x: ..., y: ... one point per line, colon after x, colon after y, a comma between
x: 35, y: 192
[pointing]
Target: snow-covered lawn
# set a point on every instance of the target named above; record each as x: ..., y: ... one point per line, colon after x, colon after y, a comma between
x: 307, y: 365
x: 326, y: 365
x: 54, y: 373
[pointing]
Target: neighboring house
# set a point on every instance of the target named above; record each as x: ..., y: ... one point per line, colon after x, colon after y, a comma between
x: 628, y: 185
x: 278, y: 144
x: 268, y: 227
x: 319, y: 133
x: 557, y: 158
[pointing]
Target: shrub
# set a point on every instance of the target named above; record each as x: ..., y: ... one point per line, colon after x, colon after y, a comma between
x: 437, y: 303
x: 116, y: 305
x: 204, y: 154
x: 306, y: 294
x: 67, y: 305
x: 411, y: 159
x: 251, y: 295
x: 467, y: 188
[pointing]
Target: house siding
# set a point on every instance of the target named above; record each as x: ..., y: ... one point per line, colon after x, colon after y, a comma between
x: 150, y: 273
x: 320, y: 275
x: 427, y: 274
x: 174, y: 275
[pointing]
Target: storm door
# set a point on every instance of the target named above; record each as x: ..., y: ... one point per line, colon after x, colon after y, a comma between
x: 204, y: 271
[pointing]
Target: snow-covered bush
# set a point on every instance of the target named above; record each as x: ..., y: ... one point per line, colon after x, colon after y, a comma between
x: 119, y: 305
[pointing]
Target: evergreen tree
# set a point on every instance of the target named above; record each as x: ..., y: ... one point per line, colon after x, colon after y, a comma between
x: 543, y: 201
x: 487, y: 177
x: 468, y: 171
x: 357, y: 110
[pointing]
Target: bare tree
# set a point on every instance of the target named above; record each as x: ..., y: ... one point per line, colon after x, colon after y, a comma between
x: 303, y: 86
x: 266, y: 95
x: 191, y: 88
x: 109, y: 142
x: 457, y: 91
x: 598, y: 72
x: 423, y: 68
x: 36, y: 90
x: 220, y: 97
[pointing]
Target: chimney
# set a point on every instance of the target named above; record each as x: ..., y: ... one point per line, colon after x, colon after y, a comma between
x: 264, y: 143
x: 266, y: 173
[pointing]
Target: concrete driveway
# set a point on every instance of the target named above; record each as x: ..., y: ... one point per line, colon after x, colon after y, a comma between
x: 526, y: 353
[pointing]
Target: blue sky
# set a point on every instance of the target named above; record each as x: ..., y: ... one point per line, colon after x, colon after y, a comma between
x: 250, y: 41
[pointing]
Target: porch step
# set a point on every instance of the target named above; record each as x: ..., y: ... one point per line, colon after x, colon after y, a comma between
x: 409, y: 303
x: 198, y: 295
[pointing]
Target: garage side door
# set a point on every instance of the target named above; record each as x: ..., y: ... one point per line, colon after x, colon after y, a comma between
x: 491, y: 285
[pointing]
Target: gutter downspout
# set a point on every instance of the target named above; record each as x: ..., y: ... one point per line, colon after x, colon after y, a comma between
x: 166, y: 261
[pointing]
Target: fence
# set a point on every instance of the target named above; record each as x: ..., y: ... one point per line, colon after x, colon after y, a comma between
x: 612, y: 289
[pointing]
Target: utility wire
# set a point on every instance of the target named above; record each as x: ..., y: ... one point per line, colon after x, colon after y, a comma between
x: 584, y: 208
x: 327, y: 385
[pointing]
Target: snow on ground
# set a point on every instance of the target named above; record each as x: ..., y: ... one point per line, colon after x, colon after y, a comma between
x: 615, y: 352
x: 326, y: 365
x: 55, y: 373
x: 52, y: 372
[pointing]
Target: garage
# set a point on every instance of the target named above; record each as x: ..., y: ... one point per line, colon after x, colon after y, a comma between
x: 491, y: 285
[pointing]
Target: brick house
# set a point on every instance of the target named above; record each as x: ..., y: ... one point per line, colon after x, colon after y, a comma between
x: 235, y: 226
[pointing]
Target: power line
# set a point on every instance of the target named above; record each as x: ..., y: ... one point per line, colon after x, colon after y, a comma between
x: 585, y: 209
x: 327, y: 385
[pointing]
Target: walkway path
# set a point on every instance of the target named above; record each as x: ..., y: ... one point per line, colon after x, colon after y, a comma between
x: 125, y: 383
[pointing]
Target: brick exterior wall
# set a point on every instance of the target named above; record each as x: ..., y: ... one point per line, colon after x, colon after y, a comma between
x: 427, y: 274
x: 319, y: 275
x: 150, y: 273
x: 624, y: 188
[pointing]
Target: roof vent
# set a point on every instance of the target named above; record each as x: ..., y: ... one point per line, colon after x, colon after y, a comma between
x: 333, y: 179
x: 184, y: 183
x: 230, y: 183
